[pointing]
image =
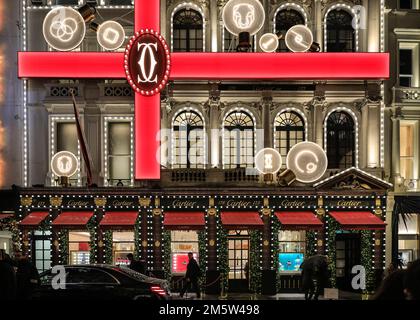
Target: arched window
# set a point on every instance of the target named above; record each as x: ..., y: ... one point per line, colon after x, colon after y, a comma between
x: 289, y: 130
x: 341, y: 36
x: 285, y: 19
x: 187, y: 31
x: 238, y: 140
x: 188, y: 140
x: 340, y: 140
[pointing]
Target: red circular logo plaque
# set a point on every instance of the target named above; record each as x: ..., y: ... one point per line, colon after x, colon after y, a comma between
x: 147, y: 62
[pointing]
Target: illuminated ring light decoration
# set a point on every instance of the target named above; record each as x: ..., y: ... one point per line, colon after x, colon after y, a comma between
x: 110, y: 35
x: 64, y: 164
x: 64, y: 28
x: 147, y: 72
x: 243, y: 16
x: 308, y: 161
x: 268, y: 161
x: 299, y: 38
x: 269, y: 42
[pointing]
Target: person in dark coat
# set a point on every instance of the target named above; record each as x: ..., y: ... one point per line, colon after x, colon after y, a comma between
x: 392, y: 287
x: 27, y: 277
x: 136, y: 265
x: 412, y: 281
x: 191, y: 276
x: 7, y: 278
x: 314, y: 276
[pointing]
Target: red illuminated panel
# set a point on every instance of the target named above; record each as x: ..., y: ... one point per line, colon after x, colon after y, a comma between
x: 180, y: 262
x: 280, y: 66
x: 147, y: 15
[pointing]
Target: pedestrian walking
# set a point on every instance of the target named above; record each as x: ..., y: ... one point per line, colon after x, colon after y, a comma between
x: 191, y: 276
x: 7, y: 278
x: 27, y: 276
x: 136, y: 265
x: 314, y: 276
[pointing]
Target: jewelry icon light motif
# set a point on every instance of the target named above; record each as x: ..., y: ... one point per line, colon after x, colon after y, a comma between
x: 269, y: 42
x: 110, y: 35
x: 64, y: 28
x: 147, y: 75
x: 64, y: 164
x: 268, y: 161
x: 243, y: 15
x: 299, y: 38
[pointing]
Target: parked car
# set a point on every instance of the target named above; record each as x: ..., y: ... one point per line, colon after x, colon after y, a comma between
x: 105, y: 282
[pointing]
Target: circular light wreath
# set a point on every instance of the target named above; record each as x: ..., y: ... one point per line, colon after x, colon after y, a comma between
x: 165, y: 78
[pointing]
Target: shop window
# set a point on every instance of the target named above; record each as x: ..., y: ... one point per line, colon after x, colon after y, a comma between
x: 341, y: 37
x: 183, y: 242
x: 289, y: 130
x: 6, y: 241
x: 67, y: 141
x: 340, y: 140
x: 41, y: 246
x: 187, y: 31
x: 119, y: 152
x: 285, y: 19
x: 238, y: 254
x: 123, y: 244
x: 79, y: 247
x: 406, y: 150
x: 408, y: 239
x: 238, y: 141
x: 188, y: 140
x: 291, y: 250
x: 406, y: 67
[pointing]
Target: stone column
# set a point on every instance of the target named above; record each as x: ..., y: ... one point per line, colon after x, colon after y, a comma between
x: 318, y: 18
x: 214, y: 25
x: 320, y: 212
x: 266, y: 236
x: 157, y: 242
x: 395, y: 169
x: 213, y: 132
x: 373, y: 25
x: 212, y: 236
x: 318, y: 121
x: 373, y: 135
x: 267, y: 101
x: 165, y: 138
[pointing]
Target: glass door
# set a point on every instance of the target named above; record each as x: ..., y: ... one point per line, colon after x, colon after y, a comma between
x: 238, y: 247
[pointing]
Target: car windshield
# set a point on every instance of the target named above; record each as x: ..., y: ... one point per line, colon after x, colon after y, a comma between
x: 132, y: 273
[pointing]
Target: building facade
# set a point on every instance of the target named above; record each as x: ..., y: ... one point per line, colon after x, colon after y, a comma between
x: 247, y: 233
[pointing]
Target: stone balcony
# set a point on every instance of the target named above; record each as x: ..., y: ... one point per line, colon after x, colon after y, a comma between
x: 406, y: 94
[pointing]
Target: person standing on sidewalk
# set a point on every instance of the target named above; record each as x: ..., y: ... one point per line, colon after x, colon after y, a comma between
x: 7, y: 278
x: 191, y: 276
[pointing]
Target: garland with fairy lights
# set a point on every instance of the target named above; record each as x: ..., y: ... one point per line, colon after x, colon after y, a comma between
x: 255, y: 261
x: 310, y: 243
x: 331, y: 247
x: 366, y: 258
x: 11, y: 225
x: 63, y: 240
x: 137, y: 238
x: 276, y: 226
x: 108, y: 244
x: 166, y: 247
x: 222, y: 254
x: 93, y: 246
x: 202, y: 254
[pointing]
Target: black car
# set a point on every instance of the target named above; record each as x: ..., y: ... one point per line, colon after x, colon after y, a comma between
x: 105, y: 282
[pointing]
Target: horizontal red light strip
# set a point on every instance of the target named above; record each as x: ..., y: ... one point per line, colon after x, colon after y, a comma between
x: 71, y: 65
x: 212, y: 66
x: 279, y: 66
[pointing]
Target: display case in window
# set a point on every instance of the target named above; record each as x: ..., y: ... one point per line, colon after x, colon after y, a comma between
x: 79, y: 257
x: 182, y: 242
x: 292, y: 247
x: 79, y: 248
x: 123, y: 244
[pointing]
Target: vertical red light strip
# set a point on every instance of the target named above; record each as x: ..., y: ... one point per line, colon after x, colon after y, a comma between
x: 147, y: 109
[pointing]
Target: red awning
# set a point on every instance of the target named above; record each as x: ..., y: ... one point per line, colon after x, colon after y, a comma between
x: 5, y: 216
x: 184, y: 220
x: 359, y: 220
x: 72, y: 219
x: 34, y: 219
x: 302, y: 220
x: 241, y: 220
x: 118, y: 219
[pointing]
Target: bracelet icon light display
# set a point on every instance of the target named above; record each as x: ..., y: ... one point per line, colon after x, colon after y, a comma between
x: 268, y: 161
x: 110, y: 35
x: 64, y: 164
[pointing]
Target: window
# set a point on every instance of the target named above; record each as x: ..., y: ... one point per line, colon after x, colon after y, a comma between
x: 238, y: 253
x: 6, y: 242
x: 408, y: 243
x: 341, y: 37
x: 291, y: 250
x: 340, y: 140
x: 41, y: 246
x: 183, y: 242
x: 188, y: 140
x: 187, y: 31
x: 238, y: 140
x: 123, y: 244
x: 230, y: 42
x: 119, y: 153
x: 289, y: 130
x: 67, y: 140
x: 406, y: 67
x: 79, y: 247
x: 408, y: 4
x: 406, y: 150
x: 285, y: 19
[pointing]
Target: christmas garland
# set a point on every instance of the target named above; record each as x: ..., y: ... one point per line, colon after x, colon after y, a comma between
x: 137, y: 238
x: 276, y: 226
x: 366, y: 259
x: 310, y: 243
x: 108, y: 244
x: 166, y: 246
x: 222, y: 254
x: 11, y: 225
x: 63, y: 240
x: 331, y: 232
x: 93, y: 246
x: 255, y: 261
x: 202, y: 254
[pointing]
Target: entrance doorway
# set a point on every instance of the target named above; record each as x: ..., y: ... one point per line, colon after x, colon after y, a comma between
x: 238, y: 247
x: 347, y: 256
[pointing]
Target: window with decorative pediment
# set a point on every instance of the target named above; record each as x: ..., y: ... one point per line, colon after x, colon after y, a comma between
x: 238, y: 140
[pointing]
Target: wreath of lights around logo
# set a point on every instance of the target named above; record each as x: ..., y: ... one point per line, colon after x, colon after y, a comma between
x: 165, y: 78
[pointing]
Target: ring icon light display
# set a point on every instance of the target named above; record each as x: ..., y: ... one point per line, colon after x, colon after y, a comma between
x: 269, y: 42
x: 299, y: 38
x: 268, y: 161
x: 110, y: 35
x: 243, y: 16
x: 308, y: 161
x: 64, y: 164
x: 64, y: 28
